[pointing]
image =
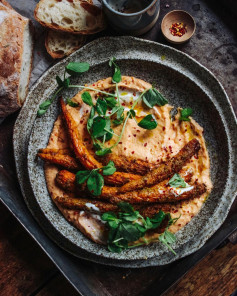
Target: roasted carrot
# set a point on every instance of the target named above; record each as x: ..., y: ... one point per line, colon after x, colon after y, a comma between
x: 83, y: 155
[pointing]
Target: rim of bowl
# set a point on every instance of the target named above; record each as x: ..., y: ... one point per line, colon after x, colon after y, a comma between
x: 179, y: 10
x: 129, y: 14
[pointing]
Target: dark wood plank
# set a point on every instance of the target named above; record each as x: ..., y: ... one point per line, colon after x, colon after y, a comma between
x: 216, y: 274
x: 23, y: 265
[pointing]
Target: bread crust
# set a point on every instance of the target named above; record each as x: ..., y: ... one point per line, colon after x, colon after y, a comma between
x: 89, y: 7
x: 11, y: 51
x: 57, y: 55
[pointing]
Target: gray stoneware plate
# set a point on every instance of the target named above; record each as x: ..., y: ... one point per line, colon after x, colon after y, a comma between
x: 185, y: 83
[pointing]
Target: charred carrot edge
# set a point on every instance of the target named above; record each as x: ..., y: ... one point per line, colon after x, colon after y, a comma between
x: 66, y: 180
x: 53, y: 151
x: 83, y: 204
x: 159, y: 195
x: 83, y: 155
x: 65, y: 161
x: 165, y: 170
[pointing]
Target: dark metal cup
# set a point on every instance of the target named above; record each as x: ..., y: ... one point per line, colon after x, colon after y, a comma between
x: 133, y: 17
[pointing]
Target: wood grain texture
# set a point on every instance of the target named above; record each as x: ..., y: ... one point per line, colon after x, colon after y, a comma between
x: 214, y: 275
x: 23, y: 265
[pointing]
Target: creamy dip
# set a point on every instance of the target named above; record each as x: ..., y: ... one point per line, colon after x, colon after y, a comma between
x: 153, y: 146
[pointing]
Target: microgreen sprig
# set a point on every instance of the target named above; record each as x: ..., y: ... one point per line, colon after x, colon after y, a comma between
x: 129, y: 226
x: 94, y: 178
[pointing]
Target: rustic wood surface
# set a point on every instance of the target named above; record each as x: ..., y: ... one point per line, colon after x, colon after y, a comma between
x: 26, y: 270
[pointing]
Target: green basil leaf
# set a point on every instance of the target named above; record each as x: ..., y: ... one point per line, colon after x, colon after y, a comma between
x: 98, y: 127
x: 72, y: 104
x: 59, y: 81
x: 95, y: 183
x: 153, y: 97
x: 111, y: 101
x: 45, y: 105
x: 119, y: 116
x: 109, y: 216
x: 158, y: 219
x: 149, y: 122
x: 117, y: 76
x: 129, y: 231
x: 82, y: 176
x: 129, y: 216
x: 86, y: 98
x: 75, y: 68
x: 131, y: 113
x: 101, y: 107
x: 109, y: 169
x: 41, y: 112
x: 103, y: 151
x: 109, y: 135
x: 185, y: 113
x: 114, y: 249
x: 170, y: 237
x: 89, y: 123
x: 126, y: 207
x: 111, y: 61
x: 177, y: 181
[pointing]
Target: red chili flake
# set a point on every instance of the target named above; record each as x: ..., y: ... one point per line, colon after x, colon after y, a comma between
x: 115, y: 98
x: 75, y: 213
x: 123, y: 104
x: 179, y: 224
x: 134, y: 136
x: 93, y: 84
x: 163, y: 128
x: 179, y: 139
x: 81, y: 121
x: 178, y: 29
x: 124, y: 148
x: 145, y: 144
x: 138, y: 131
x: 120, y: 142
x: 132, y: 152
x: 158, y: 160
x: 195, y: 156
x: 87, y: 111
x: 130, y: 103
x: 169, y: 139
x: 176, y: 211
x: 185, y: 130
x: 134, y: 94
x: 192, y: 216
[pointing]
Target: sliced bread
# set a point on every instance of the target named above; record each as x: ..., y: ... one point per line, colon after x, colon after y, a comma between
x: 61, y: 44
x: 16, y: 52
x: 73, y: 16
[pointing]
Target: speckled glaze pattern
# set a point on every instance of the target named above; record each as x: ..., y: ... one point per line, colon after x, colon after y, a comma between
x: 185, y: 83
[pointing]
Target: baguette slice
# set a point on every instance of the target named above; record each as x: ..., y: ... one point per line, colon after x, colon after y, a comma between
x: 61, y: 44
x: 16, y: 53
x: 73, y: 16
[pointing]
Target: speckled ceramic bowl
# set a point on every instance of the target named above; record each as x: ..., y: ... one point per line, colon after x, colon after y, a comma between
x: 185, y: 83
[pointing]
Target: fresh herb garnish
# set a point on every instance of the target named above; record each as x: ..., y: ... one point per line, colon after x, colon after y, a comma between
x: 72, y: 104
x: 128, y: 226
x: 185, y: 113
x: 168, y: 238
x: 95, y: 181
x: 177, y: 181
x: 117, y: 73
x: 75, y: 69
x: 86, y: 98
x: 149, y: 122
x: 153, y: 97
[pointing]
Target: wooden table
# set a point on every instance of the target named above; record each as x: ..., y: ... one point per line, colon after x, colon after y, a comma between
x: 26, y: 270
